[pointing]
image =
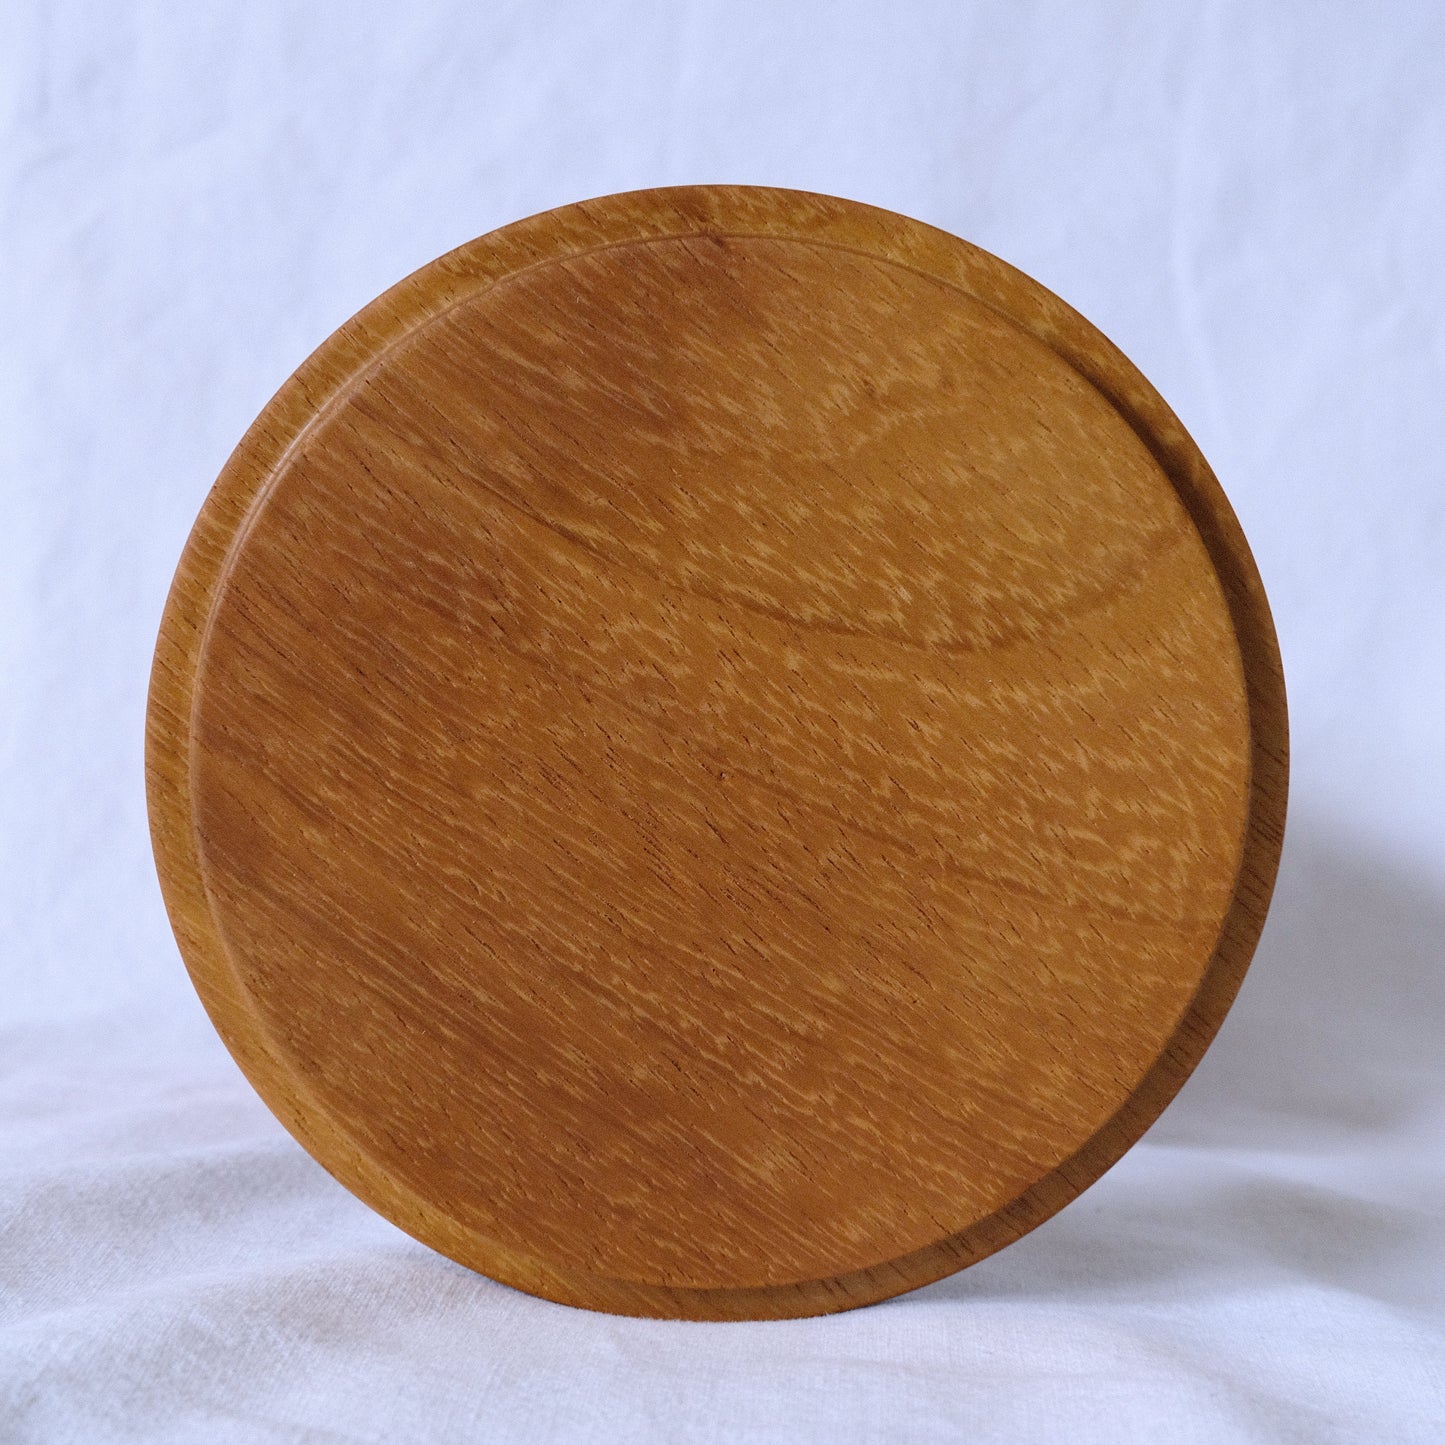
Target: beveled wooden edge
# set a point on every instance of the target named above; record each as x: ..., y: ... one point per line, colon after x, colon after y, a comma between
x: 340, y: 364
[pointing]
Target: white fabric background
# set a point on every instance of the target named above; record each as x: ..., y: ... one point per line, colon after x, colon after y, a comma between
x: 1249, y: 198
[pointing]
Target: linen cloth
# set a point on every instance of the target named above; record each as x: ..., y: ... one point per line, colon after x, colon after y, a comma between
x: 1249, y: 198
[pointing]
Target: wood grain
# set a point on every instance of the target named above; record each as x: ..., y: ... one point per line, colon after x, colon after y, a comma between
x: 718, y: 753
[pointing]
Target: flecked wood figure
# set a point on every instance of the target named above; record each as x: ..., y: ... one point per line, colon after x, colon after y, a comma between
x: 717, y: 753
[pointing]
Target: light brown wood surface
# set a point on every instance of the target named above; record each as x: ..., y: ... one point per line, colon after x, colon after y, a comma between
x: 717, y: 752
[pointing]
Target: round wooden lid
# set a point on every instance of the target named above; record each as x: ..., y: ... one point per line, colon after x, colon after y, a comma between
x: 717, y: 752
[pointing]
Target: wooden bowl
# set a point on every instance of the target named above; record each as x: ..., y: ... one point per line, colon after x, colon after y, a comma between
x: 717, y: 753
